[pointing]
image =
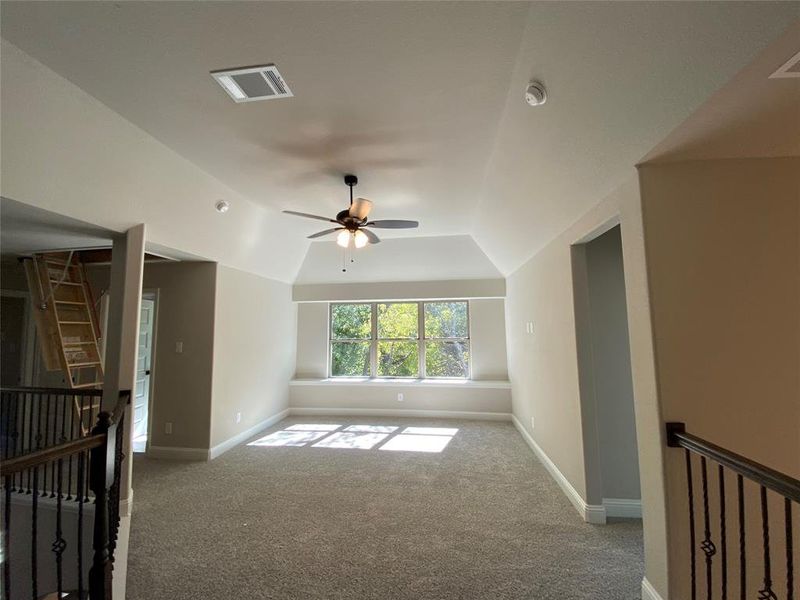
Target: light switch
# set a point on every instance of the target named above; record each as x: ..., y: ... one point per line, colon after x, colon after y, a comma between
x: 178, y: 347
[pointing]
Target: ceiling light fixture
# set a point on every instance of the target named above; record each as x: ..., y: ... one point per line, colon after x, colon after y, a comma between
x: 343, y: 239
x: 222, y: 206
x: 360, y: 239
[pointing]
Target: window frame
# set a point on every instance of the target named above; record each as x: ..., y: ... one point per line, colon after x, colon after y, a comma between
x: 421, y: 340
x: 369, y: 340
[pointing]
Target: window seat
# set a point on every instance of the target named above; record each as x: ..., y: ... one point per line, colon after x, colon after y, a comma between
x: 470, y: 399
x: 417, y: 383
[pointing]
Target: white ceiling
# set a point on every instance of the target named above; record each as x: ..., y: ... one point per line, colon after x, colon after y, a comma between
x: 424, y: 101
x: 752, y: 115
x: 438, y: 258
x: 26, y: 229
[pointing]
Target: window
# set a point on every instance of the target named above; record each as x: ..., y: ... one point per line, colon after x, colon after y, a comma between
x: 400, y: 339
x: 351, y: 338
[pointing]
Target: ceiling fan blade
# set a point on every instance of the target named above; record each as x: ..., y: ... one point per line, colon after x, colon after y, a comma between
x: 393, y: 224
x: 360, y: 208
x: 323, y: 233
x: 373, y: 239
x: 309, y: 216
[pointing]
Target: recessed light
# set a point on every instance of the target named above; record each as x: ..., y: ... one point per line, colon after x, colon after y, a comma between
x: 222, y: 206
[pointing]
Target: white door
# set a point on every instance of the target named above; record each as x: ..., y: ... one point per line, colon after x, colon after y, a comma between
x: 142, y: 394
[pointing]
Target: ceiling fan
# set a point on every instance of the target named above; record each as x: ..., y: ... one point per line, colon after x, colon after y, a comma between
x: 353, y: 221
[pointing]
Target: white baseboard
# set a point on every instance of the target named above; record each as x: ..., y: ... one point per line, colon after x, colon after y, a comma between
x: 623, y: 508
x: 170, y: 453
x: 246, y: 435
x: 649, y: 592
x: 397, y: 412
x: 591, y: 513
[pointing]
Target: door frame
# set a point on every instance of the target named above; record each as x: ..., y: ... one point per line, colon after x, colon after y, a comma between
x: 586, y: 370
x: 151, y: 294
x: 28, y: 349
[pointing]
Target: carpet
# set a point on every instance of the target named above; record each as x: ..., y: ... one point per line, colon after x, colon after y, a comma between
x: 481, y: 519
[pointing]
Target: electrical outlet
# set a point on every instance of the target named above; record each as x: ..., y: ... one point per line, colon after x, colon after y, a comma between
x: 178, y: 347
x: 400, y: 397
x: 238, y: 417
x: 168, y: 427
x: 533, y: 424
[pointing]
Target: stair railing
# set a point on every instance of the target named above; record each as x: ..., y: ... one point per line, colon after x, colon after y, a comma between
x: 37, y: 486
x: 717, y: 532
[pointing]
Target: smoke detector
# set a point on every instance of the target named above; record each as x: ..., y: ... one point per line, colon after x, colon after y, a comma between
x: 535, y: 94
x: 249, y: 84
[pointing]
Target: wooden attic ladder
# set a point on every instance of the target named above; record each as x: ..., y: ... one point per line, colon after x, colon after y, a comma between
x: 66, y: 319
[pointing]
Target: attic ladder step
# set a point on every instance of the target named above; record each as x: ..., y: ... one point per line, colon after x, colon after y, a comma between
x: 58, y: 284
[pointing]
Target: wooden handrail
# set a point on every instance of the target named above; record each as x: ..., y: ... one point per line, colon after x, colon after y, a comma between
x: 786, y: 486
x: 57, y: 391
x: 45, y: 455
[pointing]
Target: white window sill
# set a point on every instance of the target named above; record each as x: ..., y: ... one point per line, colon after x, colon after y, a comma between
x: 380, y: 382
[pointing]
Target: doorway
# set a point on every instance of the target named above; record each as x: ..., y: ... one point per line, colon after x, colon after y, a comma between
x: 604, y: 367
x: 144, y: 368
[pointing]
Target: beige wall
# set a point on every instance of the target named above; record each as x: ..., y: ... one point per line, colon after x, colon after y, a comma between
x: 312, y: 340
x: 254, y: 351
x: 723, y: 247
x: 487, y: 333
x: 487, y: 324
x: 181, y: 392
x: 400, y: 290
x: 543, y: 365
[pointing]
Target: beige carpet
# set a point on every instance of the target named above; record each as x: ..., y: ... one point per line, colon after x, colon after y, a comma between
x: 481, y: 519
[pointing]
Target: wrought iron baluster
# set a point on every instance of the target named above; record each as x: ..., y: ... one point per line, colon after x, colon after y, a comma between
x: 5, y: 406
x: 15, y: 440
x: 30, y: 436
x: 692, y: 551
x: 723, y: 542
x: 742, y: 540
x: 60, y: 544
x: 34, y: 534
x: 46, y: 435
x: 68, y: 406
x: 766, y: 592
x: 707, y: 546
x: 80, y: 476
x: 7, y: 539
x: 62, y: 439
x: 83, y: 492
x: 787, y: 507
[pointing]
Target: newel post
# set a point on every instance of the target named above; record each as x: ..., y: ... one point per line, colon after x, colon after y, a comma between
x: 100, y: 478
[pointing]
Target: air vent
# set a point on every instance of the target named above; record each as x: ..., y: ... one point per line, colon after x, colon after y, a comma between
x: 791, y: 68
x: 253, y: 83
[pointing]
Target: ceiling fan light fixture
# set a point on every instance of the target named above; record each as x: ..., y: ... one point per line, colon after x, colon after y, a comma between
x: 360, y: 239
x: 343, y: 238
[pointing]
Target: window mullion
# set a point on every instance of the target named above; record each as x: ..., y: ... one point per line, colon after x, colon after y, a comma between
x: 421, y: 339
x: 373, y: 345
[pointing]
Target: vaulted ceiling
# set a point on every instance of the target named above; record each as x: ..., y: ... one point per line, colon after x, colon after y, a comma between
x: 423, y: 100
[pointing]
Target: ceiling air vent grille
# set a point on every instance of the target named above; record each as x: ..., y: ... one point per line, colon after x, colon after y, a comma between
x: 253, y: 83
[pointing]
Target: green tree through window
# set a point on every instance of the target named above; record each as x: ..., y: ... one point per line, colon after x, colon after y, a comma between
x: 392, y: 345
